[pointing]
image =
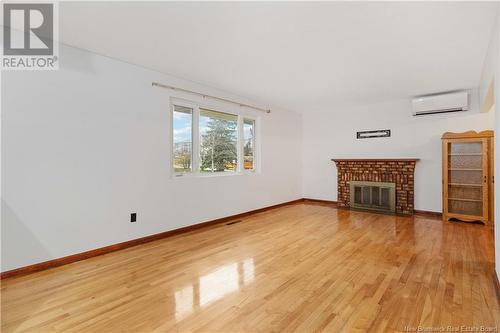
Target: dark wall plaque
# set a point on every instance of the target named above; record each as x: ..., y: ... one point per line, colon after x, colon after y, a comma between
x: 373, y: 134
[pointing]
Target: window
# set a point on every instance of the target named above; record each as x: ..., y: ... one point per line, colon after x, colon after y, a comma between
x: 218, y: 141
x: 183, y: 139
x: 248, y: 144
x: 207, y: 141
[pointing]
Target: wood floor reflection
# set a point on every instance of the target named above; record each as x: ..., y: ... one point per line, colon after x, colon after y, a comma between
x: 304, y: 267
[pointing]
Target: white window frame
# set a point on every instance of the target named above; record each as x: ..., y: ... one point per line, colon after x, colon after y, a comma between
x: 195, y: 140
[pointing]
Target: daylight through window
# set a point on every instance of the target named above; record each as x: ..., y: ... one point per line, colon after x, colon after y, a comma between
x: 248, y: 143
x: 218, y: 141
x: 183, y: 142
x: 208, y: 141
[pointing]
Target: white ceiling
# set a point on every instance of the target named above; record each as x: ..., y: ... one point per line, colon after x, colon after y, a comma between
x: 297, y: 55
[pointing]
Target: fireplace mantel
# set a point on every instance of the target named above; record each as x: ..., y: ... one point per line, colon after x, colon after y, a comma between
x: 377, y: 159
x: 399, y: 171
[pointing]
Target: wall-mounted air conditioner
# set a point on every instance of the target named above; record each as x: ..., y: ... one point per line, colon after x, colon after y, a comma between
x: 452, y: 102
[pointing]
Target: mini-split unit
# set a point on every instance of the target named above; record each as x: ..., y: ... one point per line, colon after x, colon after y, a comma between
x: 443, y: 103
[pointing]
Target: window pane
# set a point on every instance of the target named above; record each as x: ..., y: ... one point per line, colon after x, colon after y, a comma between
x: 183, y: 134
x: 248, y: 143
x: 218, y: 140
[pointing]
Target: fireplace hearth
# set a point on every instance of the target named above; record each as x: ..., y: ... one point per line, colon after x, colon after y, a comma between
x: 396, y: 173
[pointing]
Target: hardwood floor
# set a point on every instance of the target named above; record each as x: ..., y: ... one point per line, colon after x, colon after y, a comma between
x: 304, y: 267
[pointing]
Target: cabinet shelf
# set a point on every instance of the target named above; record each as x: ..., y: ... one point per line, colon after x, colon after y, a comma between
x: 471, y: 200
x: 464, y: 169
x: 471, y: 185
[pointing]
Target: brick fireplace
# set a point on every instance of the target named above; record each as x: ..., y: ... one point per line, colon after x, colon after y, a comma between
x: 397, y: 171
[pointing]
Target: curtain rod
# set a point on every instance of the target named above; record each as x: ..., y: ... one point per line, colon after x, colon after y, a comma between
x: 161, y: 85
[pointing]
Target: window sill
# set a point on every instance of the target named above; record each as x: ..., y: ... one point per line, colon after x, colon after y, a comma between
x: 214, y: 174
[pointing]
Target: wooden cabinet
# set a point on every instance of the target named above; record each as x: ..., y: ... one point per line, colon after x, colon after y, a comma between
x: 468, y: 176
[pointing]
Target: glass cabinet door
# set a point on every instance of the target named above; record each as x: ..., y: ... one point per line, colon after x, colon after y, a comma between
x: 466, y: 177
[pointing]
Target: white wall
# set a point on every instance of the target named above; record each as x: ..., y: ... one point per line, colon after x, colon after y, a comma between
x: 86, y: 145
x: 490, y: 65
x: 496, y: 69
x: 332, y: 134
x: 491, y: 72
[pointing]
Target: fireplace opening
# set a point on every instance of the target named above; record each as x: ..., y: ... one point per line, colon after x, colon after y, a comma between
x: 373, y: 196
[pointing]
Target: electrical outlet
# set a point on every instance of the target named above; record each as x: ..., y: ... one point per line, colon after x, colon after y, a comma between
x: 133, y: 217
